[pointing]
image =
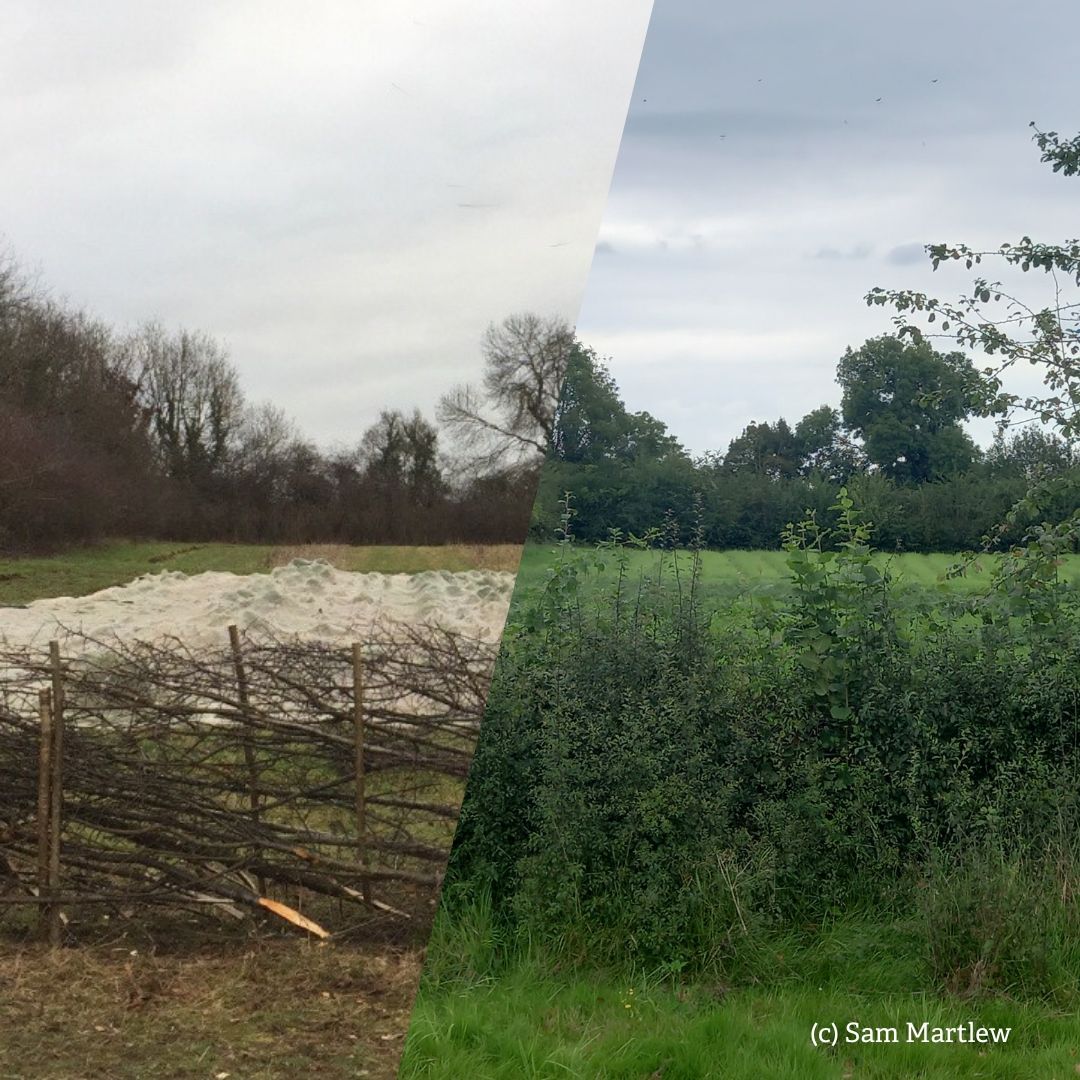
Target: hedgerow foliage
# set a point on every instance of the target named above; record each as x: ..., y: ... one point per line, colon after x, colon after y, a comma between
x: 655, y: 781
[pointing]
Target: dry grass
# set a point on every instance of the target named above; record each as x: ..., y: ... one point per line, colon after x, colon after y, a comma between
x: 258, y: 1010
x: 406, y: 560
x: 80, y: 571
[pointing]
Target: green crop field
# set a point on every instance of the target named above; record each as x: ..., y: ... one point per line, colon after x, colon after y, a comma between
x: 726, y: 575
x: 80, y: 571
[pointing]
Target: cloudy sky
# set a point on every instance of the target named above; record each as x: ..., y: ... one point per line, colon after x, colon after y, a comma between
x: 762, y: 189
x: 345, y: 193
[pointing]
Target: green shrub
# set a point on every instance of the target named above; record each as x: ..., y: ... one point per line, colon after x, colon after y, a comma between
x: 836, y: 748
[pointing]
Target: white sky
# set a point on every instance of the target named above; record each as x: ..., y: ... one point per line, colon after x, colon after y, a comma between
x: 761, y: 190
x: 345, y: 193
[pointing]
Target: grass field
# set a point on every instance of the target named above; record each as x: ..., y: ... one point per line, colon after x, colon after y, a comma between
x: 85, y: 570
x: 729, y: 574
x: 496, y: 1004
x: 490, y: 1011
x: 529, y: 1024
x: 726, y: 574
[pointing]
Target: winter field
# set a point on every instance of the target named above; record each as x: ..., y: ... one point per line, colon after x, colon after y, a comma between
x: 79, y: 571
x: 307, y: 599
x: 163, y: 989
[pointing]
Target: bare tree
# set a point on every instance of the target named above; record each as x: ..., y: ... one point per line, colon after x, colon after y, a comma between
x: 147, y: 433
x: 262, y: 437
x: 400, y: 457
x: 507, y: 422
x: 17, y: 296
x: 193, y: 395
x: 259, y: 459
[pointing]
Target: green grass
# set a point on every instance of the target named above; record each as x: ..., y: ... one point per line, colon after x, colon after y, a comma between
x: 727, y: 575
x: 492, y: 1006
x: 489, y: 1011
x: 85, y: 570
x: 529, y: 1023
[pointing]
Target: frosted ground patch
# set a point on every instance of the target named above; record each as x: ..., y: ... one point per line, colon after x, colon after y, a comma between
x: 307, y: 598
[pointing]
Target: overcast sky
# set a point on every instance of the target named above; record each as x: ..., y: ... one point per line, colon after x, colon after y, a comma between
x: 762, y: 189
x: 344, y: 192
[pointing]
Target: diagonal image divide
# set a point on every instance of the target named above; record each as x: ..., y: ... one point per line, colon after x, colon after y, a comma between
x: 286, y: 299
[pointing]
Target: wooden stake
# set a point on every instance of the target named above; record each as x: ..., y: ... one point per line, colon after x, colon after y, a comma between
x: 249, y: 743
x: 44, y: 806
x: 56, y: 787
x: 361, y: 800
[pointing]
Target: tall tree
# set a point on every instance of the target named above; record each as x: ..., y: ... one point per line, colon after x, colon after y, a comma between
x: 592, y: 424
x: 400, y: 455
x: 906, y: 402
x: 508, y: 421
x: 770, y: 450
x: 263, y: 438
x: 1032, y: 453
x: 193, y: 396
x: 826, y: 448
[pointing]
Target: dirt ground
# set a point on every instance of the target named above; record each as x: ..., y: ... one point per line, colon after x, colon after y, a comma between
x: 259, y: 1009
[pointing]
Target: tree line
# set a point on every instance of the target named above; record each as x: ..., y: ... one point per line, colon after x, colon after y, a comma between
x: 896, y: 441
x: 148, y: 434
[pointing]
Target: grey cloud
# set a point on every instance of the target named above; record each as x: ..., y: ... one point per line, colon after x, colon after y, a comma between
x: 251, y: 170
x: 857, y: 251
x: 906, y: 254
x: 722, y: 124
x: 801, y: 213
